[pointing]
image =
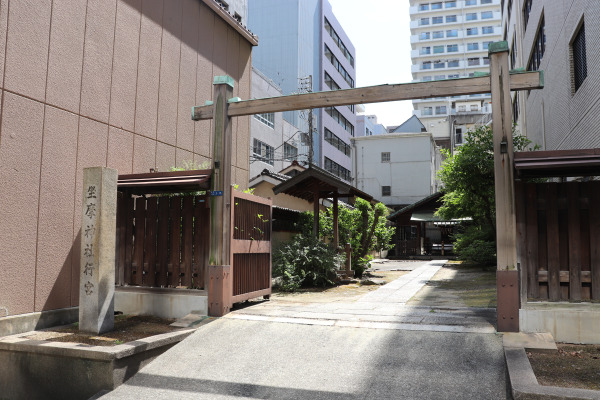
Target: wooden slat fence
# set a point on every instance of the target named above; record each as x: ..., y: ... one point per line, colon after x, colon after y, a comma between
x: 559, y: 251
x: 162, y: 241
x: 250, y: 246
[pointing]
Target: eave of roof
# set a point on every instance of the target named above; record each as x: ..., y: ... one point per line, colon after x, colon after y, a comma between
x: 435, y: 196
x: 165, y: 182
x: 235, y: 24
x: 557, y: 163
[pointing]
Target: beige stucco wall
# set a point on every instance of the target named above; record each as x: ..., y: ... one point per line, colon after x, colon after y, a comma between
x: 97, y: 83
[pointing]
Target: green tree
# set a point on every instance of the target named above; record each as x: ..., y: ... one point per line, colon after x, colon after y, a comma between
x: 468, y: 179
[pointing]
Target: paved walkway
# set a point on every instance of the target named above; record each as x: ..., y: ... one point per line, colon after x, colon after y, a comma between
x: 278, y: 350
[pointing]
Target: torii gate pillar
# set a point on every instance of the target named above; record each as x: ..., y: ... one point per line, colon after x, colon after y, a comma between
x: 507, y: 278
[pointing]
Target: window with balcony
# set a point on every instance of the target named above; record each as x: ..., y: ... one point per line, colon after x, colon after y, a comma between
x: 424, y: 21
x: 470, y: 2
x: 436, y: 6
x: 438, y: 34
x: 424, y: 7
x: 437, y: 20
x: 340, y: 119
x: 472, y: 31
x: 337, y: 170
x: 450, y: 19
x: 487, y: 15
x: 439, y: 65
x: 424, y: 36
x: 486, y: 45
x: 263, y: 152
x: 439, y: 77
x: 472, y: 46
x: 579, y: 64
x: 452, y: 48
x: 425, y: 50
x: 266, y: 118
x: 427, y: 111
x: 452, y: 76
x: 385, y: 156
x: 386, y: 191
x: 486, y: 30
x: 290, y: 152
x: 426, y: 78
x: 426, y: 65
x: 472, y: 61
x: 450, y: 4
x: 486, y: 61
x: 539, y: 48
x: 526, y: 11
x: 440, y: 110
x: 471, y: 17
x: 338, y: 143
x: 452, y: 33
x: 438, y: 49
x: 453, y: 64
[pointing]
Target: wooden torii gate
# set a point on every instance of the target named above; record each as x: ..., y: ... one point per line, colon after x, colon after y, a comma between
x: 499, y: 83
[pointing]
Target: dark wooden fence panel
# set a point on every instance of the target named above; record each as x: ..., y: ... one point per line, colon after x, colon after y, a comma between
x: 560, y: 253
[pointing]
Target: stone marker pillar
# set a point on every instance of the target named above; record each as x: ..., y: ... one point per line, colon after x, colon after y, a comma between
x: 98, y: 233
x: 348, y: 250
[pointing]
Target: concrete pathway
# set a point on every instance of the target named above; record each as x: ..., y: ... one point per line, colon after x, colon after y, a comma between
x: 330, y: 351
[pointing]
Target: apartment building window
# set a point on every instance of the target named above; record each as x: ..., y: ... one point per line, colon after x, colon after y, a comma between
x: 338, y: 42
x: 426, y: 65
x: 470, y: 2
x: 385, y: 156
x: 424, y: 21
x: 437, y: 20
x: 472, y: 31
x: 452, y: 76
x: 266, y: 118
x: 458, y: 138
x: 331, y: 84
x: 579, y: 58
x: 472, y: 61
x: 438, y: 34
x: 472, y: 46
x: 440, y: 110
x: 474, y: 107
x: 425, y: 50
x: 486, y: 30
x: 337, y: 170
x: 452, y: 48
x: 450, y: 18
x: 340, y: 119
x: 436, y: 6
x: 515, y: 108
x: 334, y: 61
x: 486, y: 45
x: 487, y: 15
x: 451, y: 4
x: 462, y: 108
x: 438, y: 49
x: 451, y: 33
x: 426, y: 78
x: 424, y: 36
x: 526, y: 11
x: 338, y: 143
x: 368, y: 132
x: 290, y: 152
x: 439, y: 64
x: 263, y: 151
x: 424, y: 7
x: 486, y: 61
x: 386, y: 190
x: 471, y: 16
x: 539, y: 47
x: 439, y: 77
x: 427, y: 111
x: 486, y: 1
x: 453, y: 64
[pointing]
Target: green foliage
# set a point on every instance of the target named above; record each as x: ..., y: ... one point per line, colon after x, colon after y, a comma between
x: 468, y: 178
x: 304, y: 261
x: 477, y: 245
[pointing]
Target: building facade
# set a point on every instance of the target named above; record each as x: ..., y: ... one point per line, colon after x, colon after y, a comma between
x: 304, y: 48
x: 399, y: 169
x: 87, y: 84
x: 561, y: 39
x: 450, y: 40
x: 274, y: 142
x: 367, y: 125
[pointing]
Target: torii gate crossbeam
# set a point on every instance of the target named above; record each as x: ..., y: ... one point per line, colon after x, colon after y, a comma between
x: 499, y: 83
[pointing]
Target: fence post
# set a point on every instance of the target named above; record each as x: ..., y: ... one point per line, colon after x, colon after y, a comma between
x: 219, y: 289
x: 506, y: 226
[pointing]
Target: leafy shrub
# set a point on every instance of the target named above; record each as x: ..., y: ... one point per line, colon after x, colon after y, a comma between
x: 304, y: 261
x: 476, y: 245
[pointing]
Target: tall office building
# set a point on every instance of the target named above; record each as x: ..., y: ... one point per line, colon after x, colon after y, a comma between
x: 561, y: 38
x: 449, y: 40
x: 301, y: 39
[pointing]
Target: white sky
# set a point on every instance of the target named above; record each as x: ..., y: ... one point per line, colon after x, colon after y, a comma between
x: 380, y: 32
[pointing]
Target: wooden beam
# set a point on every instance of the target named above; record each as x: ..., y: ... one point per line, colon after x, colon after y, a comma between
x: 373, y: 94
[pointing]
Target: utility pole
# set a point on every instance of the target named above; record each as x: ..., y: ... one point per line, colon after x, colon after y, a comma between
x: 305, y: 86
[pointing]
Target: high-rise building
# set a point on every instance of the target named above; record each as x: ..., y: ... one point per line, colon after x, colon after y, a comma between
x: 561, y: 38
x: 450, y: 40
x: 304, y: 48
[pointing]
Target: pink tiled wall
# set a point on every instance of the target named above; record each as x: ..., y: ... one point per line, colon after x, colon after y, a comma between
x: 88, y: 83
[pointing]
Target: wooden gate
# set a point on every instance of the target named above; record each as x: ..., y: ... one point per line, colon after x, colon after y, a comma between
x: 250, y: 246
x: 559, y: 228
x: 162, y: 241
